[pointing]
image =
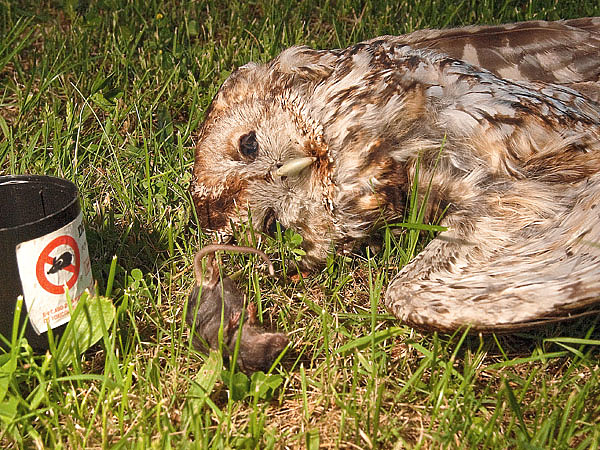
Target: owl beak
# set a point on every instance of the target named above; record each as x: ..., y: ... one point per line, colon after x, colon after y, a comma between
x: 295, y: 166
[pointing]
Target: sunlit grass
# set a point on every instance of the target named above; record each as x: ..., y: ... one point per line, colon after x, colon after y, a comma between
x: 109, y: 95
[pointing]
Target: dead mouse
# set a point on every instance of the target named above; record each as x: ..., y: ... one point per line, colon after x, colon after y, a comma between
x: 258, y: 349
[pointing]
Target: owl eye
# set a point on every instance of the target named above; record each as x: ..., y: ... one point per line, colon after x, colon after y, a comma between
x: 249, y: 145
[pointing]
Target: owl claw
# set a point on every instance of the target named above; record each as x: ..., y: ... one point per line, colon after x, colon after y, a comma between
x: 293, y: 167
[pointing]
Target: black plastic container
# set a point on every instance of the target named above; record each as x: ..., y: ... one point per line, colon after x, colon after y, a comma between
x: 44, y: 254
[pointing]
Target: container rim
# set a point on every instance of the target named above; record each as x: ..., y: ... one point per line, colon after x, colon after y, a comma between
x: 25, y: 179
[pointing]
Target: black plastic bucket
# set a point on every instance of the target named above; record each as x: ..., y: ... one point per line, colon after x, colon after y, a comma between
x: 44, y: 254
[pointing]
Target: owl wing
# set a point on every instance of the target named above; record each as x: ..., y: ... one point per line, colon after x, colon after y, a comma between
x: 503, y: 281
x: 523, y: 245
x: 562, y: 52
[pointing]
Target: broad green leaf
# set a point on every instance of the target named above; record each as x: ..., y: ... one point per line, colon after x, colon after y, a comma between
x: 90, y: 320
x: 313, y: 440
x: 6, y: 372
x: 137, y: 274
x: 8, y: 409
x: 264, y: 385
x: 203, y: 384
x: 238, y: 384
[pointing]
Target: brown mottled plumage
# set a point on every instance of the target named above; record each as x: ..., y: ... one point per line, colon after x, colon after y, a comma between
x: 327, y: 142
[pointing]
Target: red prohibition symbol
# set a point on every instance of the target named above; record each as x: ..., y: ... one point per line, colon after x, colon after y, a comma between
x: 45, y: 259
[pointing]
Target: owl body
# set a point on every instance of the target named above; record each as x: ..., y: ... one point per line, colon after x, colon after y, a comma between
x: 329, y: 142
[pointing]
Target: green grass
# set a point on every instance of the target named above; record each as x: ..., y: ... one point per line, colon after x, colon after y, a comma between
x: 109, y: 94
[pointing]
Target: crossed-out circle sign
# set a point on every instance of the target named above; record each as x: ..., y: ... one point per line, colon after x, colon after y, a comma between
x: 45, y: 259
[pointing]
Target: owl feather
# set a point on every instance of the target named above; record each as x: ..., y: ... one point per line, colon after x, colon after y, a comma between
x: 500, y: 125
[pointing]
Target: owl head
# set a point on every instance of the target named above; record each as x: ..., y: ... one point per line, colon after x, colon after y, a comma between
x: 262, y: 154
x: 305, y: 140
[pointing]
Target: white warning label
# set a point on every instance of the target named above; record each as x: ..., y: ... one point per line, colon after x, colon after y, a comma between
x: 49, y: 267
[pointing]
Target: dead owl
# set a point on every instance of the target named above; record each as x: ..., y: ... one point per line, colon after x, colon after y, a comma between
x: 504, y: 124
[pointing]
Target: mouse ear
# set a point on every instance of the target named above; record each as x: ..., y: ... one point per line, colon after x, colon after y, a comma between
x: 210, y: 277
x: 251, y: 311
x: 212, y: 272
